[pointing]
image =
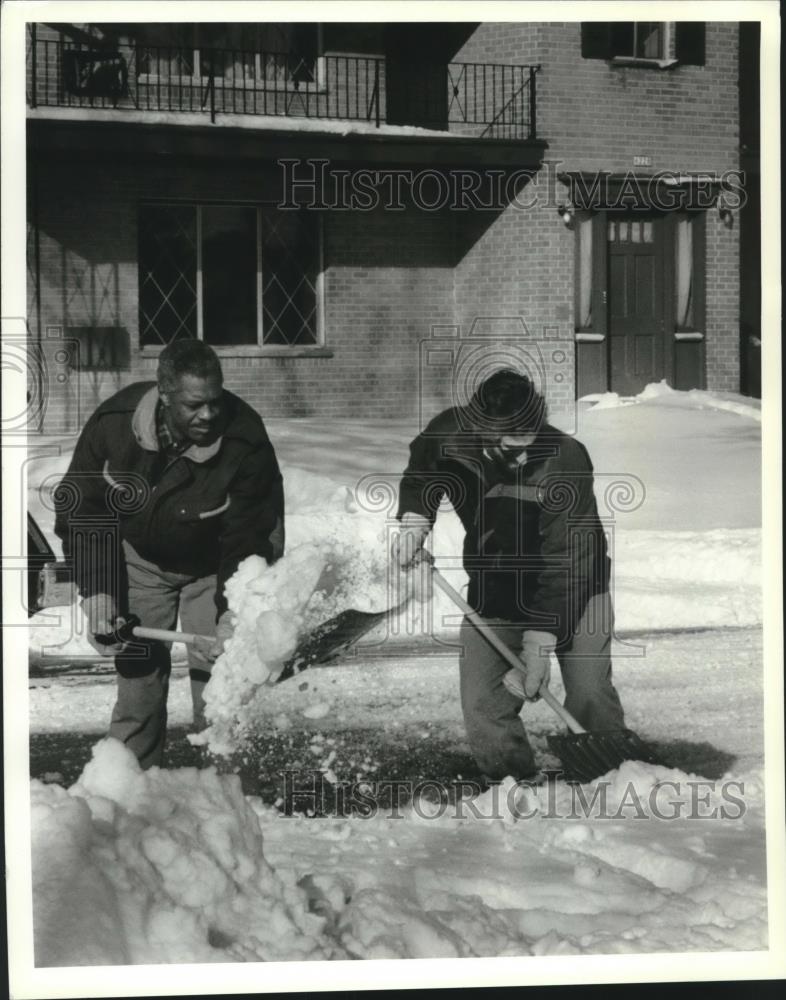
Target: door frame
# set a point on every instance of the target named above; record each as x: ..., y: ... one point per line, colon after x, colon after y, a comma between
x: 683, y: 353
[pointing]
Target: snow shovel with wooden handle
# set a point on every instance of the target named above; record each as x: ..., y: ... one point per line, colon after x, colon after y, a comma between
x: 584, y: 755
x: 132, y: 628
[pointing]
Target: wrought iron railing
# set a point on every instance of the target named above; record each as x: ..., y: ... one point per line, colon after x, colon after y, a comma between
x: 497, y: 101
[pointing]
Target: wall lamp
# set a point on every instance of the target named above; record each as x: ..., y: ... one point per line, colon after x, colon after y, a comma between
x: 567, y: 215
x: 725, y: 213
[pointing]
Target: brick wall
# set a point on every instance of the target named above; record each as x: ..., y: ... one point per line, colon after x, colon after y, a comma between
x: 513, y: 293
x: 597, y: 117
x: 396, y: 281
x: 388, y: 277
x: 723, y: 296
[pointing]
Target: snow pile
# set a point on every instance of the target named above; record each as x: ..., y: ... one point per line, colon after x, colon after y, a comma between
x: 133, y: 867
x: 528, y: 874
x: 663, y: 394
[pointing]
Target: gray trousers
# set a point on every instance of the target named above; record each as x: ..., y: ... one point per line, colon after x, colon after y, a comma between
x: 156, y: 596
x: 495, y: 731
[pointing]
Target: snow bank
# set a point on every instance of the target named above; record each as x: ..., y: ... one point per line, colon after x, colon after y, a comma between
x: 687, y: 579
x: 663, y: 394
x: 133, y: 867
x: 137, y: 867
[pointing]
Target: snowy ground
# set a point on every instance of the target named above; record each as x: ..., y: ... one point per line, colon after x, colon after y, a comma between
x: 176, y: 866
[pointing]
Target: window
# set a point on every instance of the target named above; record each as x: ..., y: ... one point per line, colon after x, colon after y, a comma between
x: 232, y: 275
x: 640, y: 39
x: 689, y: 271
x: 583, y: 304
x: 166, y: 50
x: 233, y: 52
x: 659, y: 43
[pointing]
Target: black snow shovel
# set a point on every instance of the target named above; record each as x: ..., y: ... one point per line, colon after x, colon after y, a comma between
x: 332, y: 638
x: 584, y: 755
x: 322, y: 645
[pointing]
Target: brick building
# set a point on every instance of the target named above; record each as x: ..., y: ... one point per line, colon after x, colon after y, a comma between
x: 365, y: 217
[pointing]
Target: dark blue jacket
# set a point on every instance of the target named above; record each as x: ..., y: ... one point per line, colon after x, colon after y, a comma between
x: 198, y: 514
x: 534, y: 548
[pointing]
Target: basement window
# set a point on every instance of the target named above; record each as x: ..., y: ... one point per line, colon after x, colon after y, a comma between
x: 235, y: 276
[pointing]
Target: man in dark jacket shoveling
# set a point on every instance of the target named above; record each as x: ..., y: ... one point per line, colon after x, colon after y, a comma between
x: 170, y: 486
x: 535, y: 553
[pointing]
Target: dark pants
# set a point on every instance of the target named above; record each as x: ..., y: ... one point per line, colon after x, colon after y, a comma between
x: 491, y: 713
x: 156, y: 596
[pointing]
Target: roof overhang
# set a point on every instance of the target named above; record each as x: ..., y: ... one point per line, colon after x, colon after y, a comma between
x: 69, y: 137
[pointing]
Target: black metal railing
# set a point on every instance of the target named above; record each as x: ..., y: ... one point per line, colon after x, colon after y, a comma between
x: 496, y: 101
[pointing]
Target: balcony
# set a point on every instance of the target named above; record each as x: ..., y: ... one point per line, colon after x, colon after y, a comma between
x: 472, y: 100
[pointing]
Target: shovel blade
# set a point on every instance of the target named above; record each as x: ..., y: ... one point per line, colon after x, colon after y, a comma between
x: 586, y: 756
x: 331, y: 638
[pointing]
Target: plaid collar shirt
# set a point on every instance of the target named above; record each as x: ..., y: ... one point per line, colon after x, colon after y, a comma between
x: 167, y: 443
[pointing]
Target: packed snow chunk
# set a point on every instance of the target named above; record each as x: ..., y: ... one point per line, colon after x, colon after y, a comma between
x: 133, y: 866
x: 280, y: 635
x: 336, y: 560
x: 609, y: 400
x: 317, y: 711
x: 379, y: 924
x: 655, y: 390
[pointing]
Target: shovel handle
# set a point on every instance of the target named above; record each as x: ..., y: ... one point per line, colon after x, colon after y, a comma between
x: 573, y: 725
x: 493, y: 640
x: 165, y: 635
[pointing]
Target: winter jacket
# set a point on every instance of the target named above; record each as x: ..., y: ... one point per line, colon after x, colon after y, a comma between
x: 198, y: 513
x: 534, y: 547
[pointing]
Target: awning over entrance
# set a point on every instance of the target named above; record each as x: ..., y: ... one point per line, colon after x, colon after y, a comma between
x: 665, y: 191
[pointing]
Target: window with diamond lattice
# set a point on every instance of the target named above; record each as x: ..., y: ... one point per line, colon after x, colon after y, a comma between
x: 167, y: 273
x: 290, y: 265
x: 231, y: 275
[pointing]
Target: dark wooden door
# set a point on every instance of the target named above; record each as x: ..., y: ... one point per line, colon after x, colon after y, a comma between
x: 635, y: 301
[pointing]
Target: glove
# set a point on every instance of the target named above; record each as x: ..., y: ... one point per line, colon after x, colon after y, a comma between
x: 407, y: 554
x: 225, y: 629
x: 535, y: 656
x: 102, y: 619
